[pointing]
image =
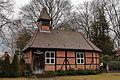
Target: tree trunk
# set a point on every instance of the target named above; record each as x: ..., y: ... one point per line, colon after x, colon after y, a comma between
x: 107, y: 67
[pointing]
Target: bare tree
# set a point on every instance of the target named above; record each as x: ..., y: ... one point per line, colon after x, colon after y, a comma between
x: 87, y: 14
x: 84, y: 18
x: 6, y: 23
x: 57, y: 9
x: 113, y: 15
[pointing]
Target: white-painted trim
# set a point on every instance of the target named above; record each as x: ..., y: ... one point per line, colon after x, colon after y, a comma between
x: 47, y: 31
x: 50, y: 57
x: 80, y: 57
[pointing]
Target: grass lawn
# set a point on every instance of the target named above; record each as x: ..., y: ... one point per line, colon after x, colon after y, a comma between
x: 104, y: 76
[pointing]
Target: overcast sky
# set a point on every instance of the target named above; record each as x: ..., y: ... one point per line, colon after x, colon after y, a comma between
x: 20, y: 3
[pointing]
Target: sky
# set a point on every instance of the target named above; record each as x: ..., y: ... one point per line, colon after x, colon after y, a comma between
x: 19, y: 3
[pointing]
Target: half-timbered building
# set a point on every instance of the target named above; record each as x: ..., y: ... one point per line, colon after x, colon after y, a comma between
x: 51, y: 50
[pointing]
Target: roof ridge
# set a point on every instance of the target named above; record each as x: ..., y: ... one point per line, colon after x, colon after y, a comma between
x: 87, y: 42
x: 30, y: 42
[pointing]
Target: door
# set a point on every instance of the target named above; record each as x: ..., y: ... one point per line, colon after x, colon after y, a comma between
x: 38, y: 62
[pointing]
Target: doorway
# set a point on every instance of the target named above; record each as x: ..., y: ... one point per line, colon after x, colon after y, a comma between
x: 38, y: 62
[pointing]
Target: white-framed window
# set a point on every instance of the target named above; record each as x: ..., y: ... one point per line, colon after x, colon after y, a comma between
x: 49, y: 57
x: 80, y: 57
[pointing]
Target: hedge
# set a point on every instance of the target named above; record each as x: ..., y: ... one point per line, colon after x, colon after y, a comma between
x: 70, y: 72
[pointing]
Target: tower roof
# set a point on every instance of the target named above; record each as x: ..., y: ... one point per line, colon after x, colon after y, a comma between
x: 44, y: 15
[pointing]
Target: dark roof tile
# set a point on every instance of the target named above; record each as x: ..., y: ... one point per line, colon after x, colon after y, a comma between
x: 61, y: 40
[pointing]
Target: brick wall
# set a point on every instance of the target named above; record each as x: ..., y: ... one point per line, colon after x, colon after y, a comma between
x: 50, y: 67
x: 91, y: 61
x: 28, y: 57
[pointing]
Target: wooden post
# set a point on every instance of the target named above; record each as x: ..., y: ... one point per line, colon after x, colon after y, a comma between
x: 84, y: 60
x: 66, y: 60
x: 55, y: 61
x: 75, y: 61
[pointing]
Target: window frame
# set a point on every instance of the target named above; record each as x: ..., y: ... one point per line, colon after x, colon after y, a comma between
x: 80, y: 58
x: 50, y: 58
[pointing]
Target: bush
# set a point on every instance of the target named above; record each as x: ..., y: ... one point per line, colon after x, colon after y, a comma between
x: 114, y: 66
x: 97, y: 71
x: 85, y: 71
x: 50, y: 73
x: 5, y: 67
x: 2, y: 68
x: 28, y: 74
x: 81, y: 72
x: 15, y: 66
x: 22, y: 61
x: 90, y: 71
x: 60, y: 72
x: 28, y: 70
x: 71, y: 72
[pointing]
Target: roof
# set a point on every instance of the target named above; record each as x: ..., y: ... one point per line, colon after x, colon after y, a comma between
x: 44, y: 15
x: 60, y: 40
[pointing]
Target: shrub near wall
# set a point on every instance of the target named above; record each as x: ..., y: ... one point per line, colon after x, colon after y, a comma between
x: 60, y: 72
x: 5, y: 67
x: 85, y: 71
x: 114, y: 66
x: 1, y: 68
x: 15, y: 67
x: 28, y: 70
x: 70, y: 72
x: 9, y: 70
x: 49, y: 74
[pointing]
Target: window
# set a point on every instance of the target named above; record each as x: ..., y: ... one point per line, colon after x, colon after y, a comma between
x: 80, y: 57
x: 46, y: 23
x: 49, y: 57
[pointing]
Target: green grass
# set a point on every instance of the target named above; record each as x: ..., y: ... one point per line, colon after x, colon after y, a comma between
x: 103, y: 76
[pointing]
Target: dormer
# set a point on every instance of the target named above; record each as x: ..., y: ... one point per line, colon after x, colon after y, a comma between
x: 44, y: 20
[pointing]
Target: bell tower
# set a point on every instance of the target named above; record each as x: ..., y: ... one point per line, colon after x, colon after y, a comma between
x: 44, y: 20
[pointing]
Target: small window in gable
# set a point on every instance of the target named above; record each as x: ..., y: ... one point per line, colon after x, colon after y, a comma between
x: 46, y: 23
